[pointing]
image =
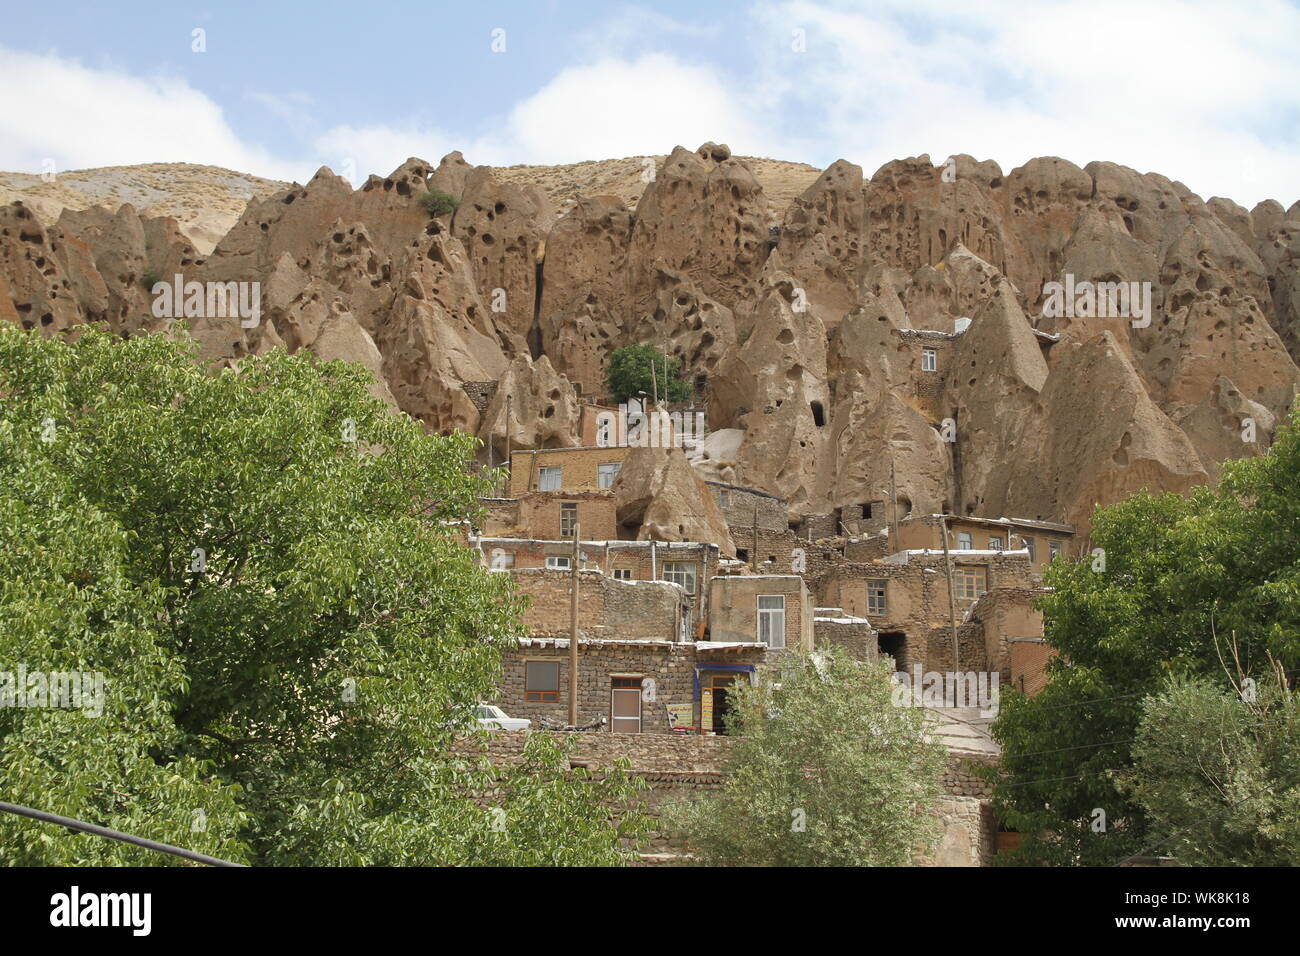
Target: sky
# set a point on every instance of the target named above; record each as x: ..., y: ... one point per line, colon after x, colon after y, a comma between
x: 1206, y: 92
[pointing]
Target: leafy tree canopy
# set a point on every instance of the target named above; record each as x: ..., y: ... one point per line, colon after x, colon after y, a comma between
x: 1178, y: 580
x: 629, y: 372
x: 824, y: 770
x: 262, y: 564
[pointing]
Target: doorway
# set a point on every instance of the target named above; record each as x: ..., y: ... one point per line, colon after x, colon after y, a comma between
x: 625, y: 705
x: 894, y: 643
x: 720, y: 687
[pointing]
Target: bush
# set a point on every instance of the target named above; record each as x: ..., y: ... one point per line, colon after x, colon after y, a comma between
x: 438, y: 203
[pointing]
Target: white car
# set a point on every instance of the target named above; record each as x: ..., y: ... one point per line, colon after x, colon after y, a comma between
x: 494, y: 718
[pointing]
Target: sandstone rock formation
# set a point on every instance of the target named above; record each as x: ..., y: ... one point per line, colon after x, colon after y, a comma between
x: 832, y: 324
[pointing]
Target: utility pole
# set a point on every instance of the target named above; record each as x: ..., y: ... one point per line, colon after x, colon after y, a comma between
x: 893, y: 508
x: 573, y: 631
x: 654, y: 382
x: 952, y: 600
x: 509, y: 464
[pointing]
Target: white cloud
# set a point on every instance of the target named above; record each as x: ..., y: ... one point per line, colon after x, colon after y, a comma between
x: 1196, y: 92
x: 53, y: 108
x: 615, y: 108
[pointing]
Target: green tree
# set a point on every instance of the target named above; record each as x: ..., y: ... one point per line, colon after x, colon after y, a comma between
x: 263, y: 564
x: 824, y: 770
x: 629, y: 372
x: 1175, y: 579
x: 438, y: 203
x: 1217, y: 771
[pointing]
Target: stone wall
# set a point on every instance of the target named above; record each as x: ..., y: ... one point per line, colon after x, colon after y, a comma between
x: 855, y: 635
x: 743, y: 508
x: 607, y: 608
x: 682, y: 767
x: 671, y: 667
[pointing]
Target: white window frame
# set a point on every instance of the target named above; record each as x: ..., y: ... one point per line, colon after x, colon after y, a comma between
x: 965, y: 541
x: 622, y: 574
x: 1031, y: 545
x: 929, y: 360
x: 687, y: 570
x: 550, y: 478
x: 603, y: 469
x: 559, y: 562
x: 1054, y: 549
x: 995, y: 543
x: 771, y: 618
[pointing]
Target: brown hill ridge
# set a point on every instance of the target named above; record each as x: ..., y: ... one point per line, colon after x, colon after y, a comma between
x: 832, y: 323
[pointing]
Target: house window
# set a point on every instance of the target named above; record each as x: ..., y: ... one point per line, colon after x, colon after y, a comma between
x: 724, y: 499
x: 1030, y: 546
x: 559, y: 562
x: 605, y: 475
x: 876, y: 597
x: 681, y: 572
x: 964, y: 541
x: 622, y: 574
x: 995, y: 543
x: 568, y: 518
x: 542, y: 680
x: 1053, y: 550
x: 604, y: 424
x: 929, y: 360
x: 771, y: 619
x: 548, y: 479
x: 969, y: 583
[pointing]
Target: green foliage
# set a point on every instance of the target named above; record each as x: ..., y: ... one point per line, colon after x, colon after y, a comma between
x: 1218, y: 773
x: 1182, y: 576
x: 629, y: 372
x: 825, y: 771
x: 149, y: 278
x: 438, y: 203
x: 262, y: 563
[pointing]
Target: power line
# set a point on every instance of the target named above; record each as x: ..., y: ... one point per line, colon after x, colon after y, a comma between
x: 113, y: 834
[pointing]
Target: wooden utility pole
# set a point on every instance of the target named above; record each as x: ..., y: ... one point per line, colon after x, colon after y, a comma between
x: 509, y: 464
x: 952, y: 599
x: 573, y: 630
x: 654, y: 383
x: 893, y: 508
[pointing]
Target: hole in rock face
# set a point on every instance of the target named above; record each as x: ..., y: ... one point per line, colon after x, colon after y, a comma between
x: 403, y: 188
x: 818, y: 414
x: 785, y: 337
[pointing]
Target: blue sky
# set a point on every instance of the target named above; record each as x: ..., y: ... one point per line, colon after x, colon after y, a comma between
x: 1199, y: 91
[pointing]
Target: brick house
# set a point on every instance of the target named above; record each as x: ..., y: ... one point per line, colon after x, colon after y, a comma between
x: 772, y: 609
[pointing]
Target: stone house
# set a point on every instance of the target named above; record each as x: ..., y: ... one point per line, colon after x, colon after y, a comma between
x: 905, y: 597
x: 639, y: 686
x: 551, y: 515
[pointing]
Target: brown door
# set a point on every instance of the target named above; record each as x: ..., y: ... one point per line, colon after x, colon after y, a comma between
x: 625, y: 705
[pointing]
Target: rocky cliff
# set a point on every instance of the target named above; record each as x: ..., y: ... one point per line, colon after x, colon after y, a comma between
x: 833, y: 324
